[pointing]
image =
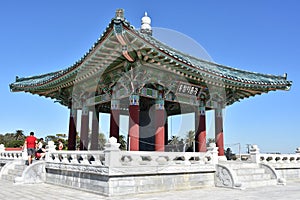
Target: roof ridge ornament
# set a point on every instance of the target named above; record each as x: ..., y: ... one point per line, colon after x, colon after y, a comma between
x: 285, y: 76
x: 146, y: 25
x: 120, y: 14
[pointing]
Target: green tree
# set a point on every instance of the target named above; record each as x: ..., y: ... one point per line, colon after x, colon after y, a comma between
x: 122, y: 141
x: 13, y: 139
x: 190, y: 138
x: 175, y: 144
x: 61, y: 135
x: 210, y: 140
x: 50, y: 138
x: 174, y: 140
x: 20, y: 135
x: 1, y: 139
x: 8, y: 137
x: 15, y: 143
x: 77, y: 140
x: 101, y: 141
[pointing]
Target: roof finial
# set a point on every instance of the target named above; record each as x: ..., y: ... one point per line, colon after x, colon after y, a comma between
x: 285, y: 76
x: 120, y: 14
x: 146, y: 25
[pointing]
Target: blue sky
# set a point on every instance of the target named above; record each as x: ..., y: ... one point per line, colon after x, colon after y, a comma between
x: 38, y: 37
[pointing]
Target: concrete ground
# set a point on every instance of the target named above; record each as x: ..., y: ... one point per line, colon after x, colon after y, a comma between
x: 12, y: 191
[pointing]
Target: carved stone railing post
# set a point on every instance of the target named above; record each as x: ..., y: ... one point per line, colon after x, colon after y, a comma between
x: 254, y: 154
x: 212, y: 151
x: 112, y: 153
x: 24, y: 154
x: 2, y: 148
x: 51, y: 149
x: 51, y: 146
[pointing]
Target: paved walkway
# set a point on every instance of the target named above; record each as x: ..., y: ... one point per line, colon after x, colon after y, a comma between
x: 12, y: 191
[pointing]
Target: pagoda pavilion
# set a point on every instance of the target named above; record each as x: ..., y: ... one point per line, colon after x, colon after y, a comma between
x: 129, y: 72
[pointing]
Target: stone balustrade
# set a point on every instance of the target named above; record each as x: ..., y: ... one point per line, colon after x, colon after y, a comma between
x: 76, y: 157
x: 113, y: 157
x: 258, y: 157
x: 163, y: 158
x: 279, y: 158
x: 11, y: 155
x: 285, y: 166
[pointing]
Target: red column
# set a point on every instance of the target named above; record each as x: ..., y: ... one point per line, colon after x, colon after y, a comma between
x: 166, y: 129
x: 84, y: 128
x: 160, y: 125
x: 72, y: 129
x: 115, y: 119
x: 95, y: 131
x: 200, y: 127
x: 219, y: 138
x: 134, y: 119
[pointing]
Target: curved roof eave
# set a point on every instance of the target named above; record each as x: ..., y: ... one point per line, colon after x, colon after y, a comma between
x: 216, y: 71
x: 39, y: 81
x: 227, y: 75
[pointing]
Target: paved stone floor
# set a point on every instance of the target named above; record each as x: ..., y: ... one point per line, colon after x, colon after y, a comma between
x: 10, y: 191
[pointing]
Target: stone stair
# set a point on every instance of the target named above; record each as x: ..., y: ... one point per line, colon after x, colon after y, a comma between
x: 251, y: 174
x: 15, y: 170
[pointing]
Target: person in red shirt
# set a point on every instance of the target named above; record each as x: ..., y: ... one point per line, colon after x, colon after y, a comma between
x: 31, y: 145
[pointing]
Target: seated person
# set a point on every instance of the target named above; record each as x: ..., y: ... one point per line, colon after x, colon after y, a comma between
x: 41, y: 152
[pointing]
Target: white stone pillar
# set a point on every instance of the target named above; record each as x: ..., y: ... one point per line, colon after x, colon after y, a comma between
x: 112, y: 153
x: 2, y: 148
x: 212, y: 150
x: 51, y: 148
x: 254, y: 154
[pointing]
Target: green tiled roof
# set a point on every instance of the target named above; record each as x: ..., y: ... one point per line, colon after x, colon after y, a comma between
x: 186, y: 65
x: 221, y: 72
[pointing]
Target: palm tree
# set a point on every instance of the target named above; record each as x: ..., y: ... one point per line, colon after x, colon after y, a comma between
x: 175, y: 144
x: 122, y: 141
x: 174, y: 140
x: 190, y: 138
x: 210, y: 140
x: 19, y: 135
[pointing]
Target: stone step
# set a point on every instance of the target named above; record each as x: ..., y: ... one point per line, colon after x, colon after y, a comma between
x: 8, y: 177
x: 242, y: 165
x: 15, y: 172
x: 20, y: 166
x: 251, y: 184
x: 246, y: 171
x: 254, y: 177
x: 250, y: 174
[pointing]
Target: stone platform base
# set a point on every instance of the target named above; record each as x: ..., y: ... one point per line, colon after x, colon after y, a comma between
x: 130, y: 180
